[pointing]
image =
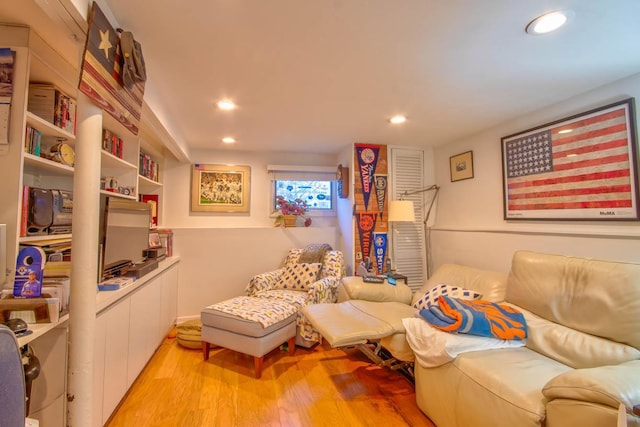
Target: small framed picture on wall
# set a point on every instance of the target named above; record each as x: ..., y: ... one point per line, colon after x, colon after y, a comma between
x: 461, y: 166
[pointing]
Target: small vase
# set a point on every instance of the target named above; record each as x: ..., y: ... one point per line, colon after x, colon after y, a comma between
x: 290, y: 220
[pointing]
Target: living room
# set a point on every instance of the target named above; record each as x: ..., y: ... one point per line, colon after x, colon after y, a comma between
x: 220, y: 252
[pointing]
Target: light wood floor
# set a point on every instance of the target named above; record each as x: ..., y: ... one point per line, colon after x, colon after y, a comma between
x: 314, y: 387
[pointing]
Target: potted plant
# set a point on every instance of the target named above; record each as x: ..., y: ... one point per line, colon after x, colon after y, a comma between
x: 290, y: 210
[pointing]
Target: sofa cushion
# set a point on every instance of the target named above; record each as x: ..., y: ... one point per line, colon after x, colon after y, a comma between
x: 574, y: 348
x: 607, y: 385
x: 255, y: 317
x: 487, y: 388
x: 296, y: 298
x: 593, y: 296
x: 356, y: 288
x: 514, y: 375
x: 490, y: 284
x: 431, y: 296
x: 298, y: 276
x: 356, y: 321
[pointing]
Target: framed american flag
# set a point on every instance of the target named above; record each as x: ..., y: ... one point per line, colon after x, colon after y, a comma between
x: 583, y: 167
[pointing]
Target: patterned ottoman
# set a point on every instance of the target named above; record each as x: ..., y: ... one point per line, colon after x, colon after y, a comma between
x: 249, y: 325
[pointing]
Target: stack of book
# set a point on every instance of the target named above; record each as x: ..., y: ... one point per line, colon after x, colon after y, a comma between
x: 115, y: 283
x: 33, y: 141
x: 47, y: 102
x: 112, y: 143
x: 148, y: 167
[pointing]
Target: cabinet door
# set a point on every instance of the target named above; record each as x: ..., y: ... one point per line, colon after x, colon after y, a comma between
x: 116, y: 320
x: 98, y: 368
x: 169, y: 300
x: 144, y: 325
x: 48, y: 390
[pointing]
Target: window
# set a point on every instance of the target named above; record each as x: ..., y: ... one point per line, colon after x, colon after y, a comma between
x: 313, y: 184
x: 317, y: 194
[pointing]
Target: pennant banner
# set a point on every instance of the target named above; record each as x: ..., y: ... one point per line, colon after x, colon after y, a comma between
x: 366, y: 225
x: 380, y: 181
x: 367, y: 160
x: 380, y: 249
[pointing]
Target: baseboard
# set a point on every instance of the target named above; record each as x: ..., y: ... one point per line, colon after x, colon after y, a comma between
x: 185, y: 318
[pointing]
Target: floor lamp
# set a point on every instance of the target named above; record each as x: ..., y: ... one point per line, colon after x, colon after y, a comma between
x: 403, y: 211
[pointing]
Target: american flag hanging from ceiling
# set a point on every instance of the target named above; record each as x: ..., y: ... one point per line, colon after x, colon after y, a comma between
x: 583, y: 167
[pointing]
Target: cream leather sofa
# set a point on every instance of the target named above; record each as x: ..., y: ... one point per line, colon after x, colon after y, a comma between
x: 581, y: 362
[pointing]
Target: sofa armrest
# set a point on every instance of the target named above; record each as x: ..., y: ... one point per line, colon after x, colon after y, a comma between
x: 263, y: 282
x: 323, y: 291
x: 606, y: 385
x: 377, y: 292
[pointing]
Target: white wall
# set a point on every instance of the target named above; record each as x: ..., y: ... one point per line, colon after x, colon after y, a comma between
x: 217, y: 263
x: 177, y: 188
x: 220, y: 252
x: 345, y: 211
x: 469, y: 226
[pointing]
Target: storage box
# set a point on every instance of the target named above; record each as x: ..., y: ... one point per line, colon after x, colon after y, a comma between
x: 31, y: 310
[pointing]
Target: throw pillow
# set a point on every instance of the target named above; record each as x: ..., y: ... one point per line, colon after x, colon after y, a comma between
x: 298, y: 277
x: 431, y: 296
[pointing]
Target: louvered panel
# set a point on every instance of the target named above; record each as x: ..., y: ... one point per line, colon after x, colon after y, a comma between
x: 407, y: 174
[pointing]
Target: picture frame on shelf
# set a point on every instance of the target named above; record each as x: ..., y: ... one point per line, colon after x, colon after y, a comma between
x: 582, y: 167
x: 461, y: 166
x: 220, y: 188
x: 154, y: 241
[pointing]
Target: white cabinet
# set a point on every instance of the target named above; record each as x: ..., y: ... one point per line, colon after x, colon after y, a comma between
x: 144, y: 326
x: 98, y: 367
x: 169, y: 301
x: 128, y: 332
x: 115, y: 385
x: 48, y: 392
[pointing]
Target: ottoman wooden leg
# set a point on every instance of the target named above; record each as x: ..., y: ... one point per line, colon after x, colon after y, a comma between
x: 257, y: 363
x: 205, y: 350
x: 291, y: 344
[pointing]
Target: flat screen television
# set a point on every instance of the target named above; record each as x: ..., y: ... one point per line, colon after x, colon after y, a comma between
x: 124, y: 233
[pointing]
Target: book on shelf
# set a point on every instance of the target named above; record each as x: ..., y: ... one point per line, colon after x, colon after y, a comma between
x: 50, y: 104
x: 148, y: 167
x: 33, y: 141
x: 115, y: 283
x: 24, y: 212
x: 112, y: 143
x: 151, y: 199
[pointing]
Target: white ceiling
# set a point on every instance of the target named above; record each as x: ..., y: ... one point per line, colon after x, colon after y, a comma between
x: 320, y: 75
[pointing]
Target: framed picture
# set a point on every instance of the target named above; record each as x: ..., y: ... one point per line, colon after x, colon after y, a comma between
x: 582, y: 167
x: 461, y: 166
x: 154, y: 241
x: 220, y: 188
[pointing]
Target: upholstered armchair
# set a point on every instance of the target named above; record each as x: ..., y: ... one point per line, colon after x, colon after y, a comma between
x: 301, y: 284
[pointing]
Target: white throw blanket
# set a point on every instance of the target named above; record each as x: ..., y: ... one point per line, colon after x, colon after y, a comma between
x: 433, y: 347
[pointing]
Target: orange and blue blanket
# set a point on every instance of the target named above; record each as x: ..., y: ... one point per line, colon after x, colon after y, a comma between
x: 478, y: 317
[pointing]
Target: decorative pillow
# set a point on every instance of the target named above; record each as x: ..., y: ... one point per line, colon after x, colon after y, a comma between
x: 431, y: 296
x: 298, y: 276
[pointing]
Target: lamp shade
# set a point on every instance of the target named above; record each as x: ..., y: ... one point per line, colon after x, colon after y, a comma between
x: 401, y: 210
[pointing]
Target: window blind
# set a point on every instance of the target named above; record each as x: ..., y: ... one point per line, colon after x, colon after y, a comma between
x: 407, y: 173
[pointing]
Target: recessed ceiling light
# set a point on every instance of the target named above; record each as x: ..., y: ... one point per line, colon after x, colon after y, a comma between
x: 225, y: 104
x: 565, y: 131
x: 549, y: 22
x: 228, y: 140
x: 396, y: 120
